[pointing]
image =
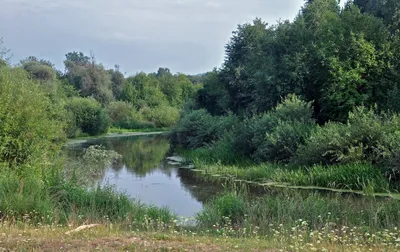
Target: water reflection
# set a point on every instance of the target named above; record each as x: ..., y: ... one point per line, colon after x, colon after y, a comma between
x: 144, y: 174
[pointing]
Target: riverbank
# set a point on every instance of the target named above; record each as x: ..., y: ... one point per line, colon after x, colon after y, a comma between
x: 361, y: 178
x: 115, y: 133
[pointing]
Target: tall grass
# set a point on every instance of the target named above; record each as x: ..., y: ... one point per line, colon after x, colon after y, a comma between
x: 54, y: 200
x: 356, y: 176
x: 285, y: 208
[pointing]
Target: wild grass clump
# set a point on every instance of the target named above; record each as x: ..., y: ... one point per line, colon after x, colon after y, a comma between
x: 254, y: 173
x: 285, y: 208
x: 229, y: 205
x: 358, y: 176
x: 55, y: 200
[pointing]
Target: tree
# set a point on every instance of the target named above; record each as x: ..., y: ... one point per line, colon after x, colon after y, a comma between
x: 4, y: 54
x: 78, y: 58
x: 117, y: 82
x: 387, y: 10
x: 41, y: 70
x: 88, y: 77
x: 87, y: 115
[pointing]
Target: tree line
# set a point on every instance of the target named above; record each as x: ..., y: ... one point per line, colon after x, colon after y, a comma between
x: 95, y: 98
x: 323, y: 89
x: 335, y: 58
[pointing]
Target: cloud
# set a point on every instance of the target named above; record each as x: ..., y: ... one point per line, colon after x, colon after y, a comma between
x: 42, y: 27
x: 214, y: 4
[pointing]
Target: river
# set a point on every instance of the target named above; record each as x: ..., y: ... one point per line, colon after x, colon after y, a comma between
x: 143, y: 173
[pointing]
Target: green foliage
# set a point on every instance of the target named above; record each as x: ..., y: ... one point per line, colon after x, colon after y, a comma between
x: 276, y: 135
x: 198, y: 128
x: 356, y: 176
x: 387, y: 10
x: 228, y: 205
x: 213, y: 97
x: 144, y: 91
x: 88, y: 77
x: 291, y: 123
x: 30, y: 131
x: 4, y: 54
x: 88, y: 116
x: 124, y: 115
x: 54, y: 200
x: 118, y: 82
x: 336, y: 58
x: 40, y: 71
x: 269, y: 214
x: 222, y: 150
x: 357, y: 140
x: 161, y: 116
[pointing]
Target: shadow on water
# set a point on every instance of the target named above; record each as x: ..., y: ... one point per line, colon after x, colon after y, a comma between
x: 143, y: 173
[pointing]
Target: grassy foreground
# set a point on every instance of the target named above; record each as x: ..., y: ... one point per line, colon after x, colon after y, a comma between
x: 106, y: 238
x: 111, y: 237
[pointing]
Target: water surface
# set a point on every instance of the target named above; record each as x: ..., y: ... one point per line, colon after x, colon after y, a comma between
x: 144, y: 174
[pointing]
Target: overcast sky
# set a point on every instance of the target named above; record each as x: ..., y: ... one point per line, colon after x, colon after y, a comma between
x: 140, y: 35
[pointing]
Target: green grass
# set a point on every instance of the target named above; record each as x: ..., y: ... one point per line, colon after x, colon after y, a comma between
x: 53, y: 200
x: 357, y: 177
x: 285, y: 208
x: 364, y: 177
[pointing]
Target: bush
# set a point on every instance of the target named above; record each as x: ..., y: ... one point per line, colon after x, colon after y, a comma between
x: 356, y: 141
x: 199, y: 128
x: 275, y: 136
x: 30, y: 131
x: 220, y: 151
x: 88, y: 115
x: 124, y: 115
x: 161, y: 116
x: 40, y: 71
x: 367, y: 137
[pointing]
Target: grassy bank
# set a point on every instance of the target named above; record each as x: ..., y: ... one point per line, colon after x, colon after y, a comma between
x: 357, y: 177
x: 53, y: 200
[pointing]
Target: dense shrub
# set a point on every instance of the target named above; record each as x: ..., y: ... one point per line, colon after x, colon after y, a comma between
x: 367, y: 137
x: 88, y: 116
x: 275, y: 136
x: 124, y: 115
x: 289, y: 125
x: 161, y: 116
x: 220, y: 151
x: 40, y: 71
x: 29, y: 130
x: 198, y: 128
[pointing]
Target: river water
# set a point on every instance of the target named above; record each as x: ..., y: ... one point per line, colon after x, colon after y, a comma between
x: 144, y: 174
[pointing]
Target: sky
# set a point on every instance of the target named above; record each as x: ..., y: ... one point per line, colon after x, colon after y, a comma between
x: 186, y: 36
